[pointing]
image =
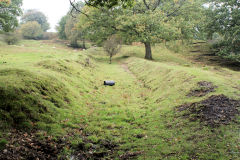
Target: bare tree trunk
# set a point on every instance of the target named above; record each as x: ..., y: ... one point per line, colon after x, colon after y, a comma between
x: 148, y: 51
x: 84, y: 46
x: 110, y: 60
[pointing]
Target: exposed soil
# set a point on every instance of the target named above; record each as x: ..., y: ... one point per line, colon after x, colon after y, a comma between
x: 89, y: 150
x: 203, y: 89
x: 214, y: 111
x: 28, y: 146
x: 34, y: 146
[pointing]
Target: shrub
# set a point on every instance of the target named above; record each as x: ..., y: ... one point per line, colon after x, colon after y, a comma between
x: 11, y: 38
x: 31, y: 30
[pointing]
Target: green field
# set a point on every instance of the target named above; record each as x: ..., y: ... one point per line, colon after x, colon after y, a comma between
x: 52, y: 90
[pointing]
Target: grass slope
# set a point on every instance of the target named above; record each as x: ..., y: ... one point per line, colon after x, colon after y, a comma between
x: 53, y: 88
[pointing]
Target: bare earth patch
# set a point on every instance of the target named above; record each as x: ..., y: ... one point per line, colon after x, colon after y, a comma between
x: 22, y: 145
x: 214, y: 111
x: 34, y: 146
x: 203, y: 89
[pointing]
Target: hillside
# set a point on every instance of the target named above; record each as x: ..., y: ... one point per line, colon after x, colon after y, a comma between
x: 53, y: 98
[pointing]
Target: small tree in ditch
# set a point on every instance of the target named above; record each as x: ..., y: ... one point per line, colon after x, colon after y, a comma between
x: 112, y: 46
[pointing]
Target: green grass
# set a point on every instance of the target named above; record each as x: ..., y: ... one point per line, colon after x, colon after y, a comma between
x: 51, y: 87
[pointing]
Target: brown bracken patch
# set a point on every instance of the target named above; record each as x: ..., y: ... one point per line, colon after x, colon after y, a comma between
x: 214, y: 111
x: 203, y: 89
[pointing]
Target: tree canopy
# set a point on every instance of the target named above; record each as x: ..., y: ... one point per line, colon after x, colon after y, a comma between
x: 61, y: 27
x: 9, y: 10
x: 155, y: 21
x: 68, y: 27
x: 34, y: 15
x: 108, y: 3
x: 148, y: 22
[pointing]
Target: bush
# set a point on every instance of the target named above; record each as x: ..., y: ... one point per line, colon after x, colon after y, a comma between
x: 11, y: 38
x: 31, y: 30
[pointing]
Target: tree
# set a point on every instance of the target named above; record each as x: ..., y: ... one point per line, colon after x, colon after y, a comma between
x: 68, y: 27
x: 61, y: 27
x: 97, y: 26
x: 148, y: 21
x: 224, y: 19
x: 71, y: 31
x: 31, y: 30
x: 112, y: 46
x: 34, y: 15
x: 107, y: 3
x: 9, y: 10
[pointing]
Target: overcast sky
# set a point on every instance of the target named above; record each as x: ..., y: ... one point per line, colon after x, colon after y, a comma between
x: 53, y: 9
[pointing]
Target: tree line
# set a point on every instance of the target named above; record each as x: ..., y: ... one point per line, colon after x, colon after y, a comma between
x: 33, y: 23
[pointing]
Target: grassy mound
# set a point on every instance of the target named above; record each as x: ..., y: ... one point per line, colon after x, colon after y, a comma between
x: 58, y: 66
x: 26, y: 96
x: 174, y: 82
x: 179, y: 138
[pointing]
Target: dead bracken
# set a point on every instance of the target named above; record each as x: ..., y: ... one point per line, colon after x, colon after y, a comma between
x: 214, y: 111
x: 203, y: 89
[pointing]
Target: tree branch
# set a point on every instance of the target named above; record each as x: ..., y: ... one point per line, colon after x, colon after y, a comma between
x: 146, y: 5
x: 156, y: 5
x: 176, y: 9
x: 76, y: 9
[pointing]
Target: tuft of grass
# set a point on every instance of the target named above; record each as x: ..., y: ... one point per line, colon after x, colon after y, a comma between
x: 3, y: 143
